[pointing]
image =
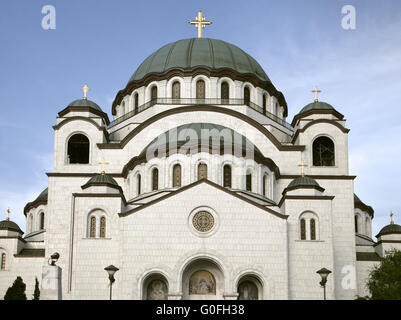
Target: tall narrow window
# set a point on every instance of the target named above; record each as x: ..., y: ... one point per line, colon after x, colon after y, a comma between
x: 78, y: 149
x: 3, y: 261
x: 202, y: 171
x: 102, y: 227
x: 176, y: 90
x: 139, y: 184
x: 323, y: 152
x: 200, y: 89
x: 312, y: 229
x: 264, y: 184
x: 153, y: 93
x: 356, y: 224
x: 123, y: 108
x: 264, y: 104
x: 42, y: 221
x: 247, y: 95
x: 31, y: 228
x: 136, y: 103
x: 155, y: 179
x: 92, y: 231
x: 303, y: 229
x: 249, y: 181
x: 177, y: 175
x: 227, y: 176
x: 225, y: 91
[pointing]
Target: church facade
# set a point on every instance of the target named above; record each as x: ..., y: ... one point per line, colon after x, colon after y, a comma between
x: 198, y: 189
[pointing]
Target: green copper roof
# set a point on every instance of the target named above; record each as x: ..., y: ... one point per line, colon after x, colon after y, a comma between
x: 189, y: 53
x: 9, y: 225
x: 43, y: 195
x: 303, y: 182
x: 101, y: 179
x: 390, y: 229
x: 84, y: 103
x: 319, y: 105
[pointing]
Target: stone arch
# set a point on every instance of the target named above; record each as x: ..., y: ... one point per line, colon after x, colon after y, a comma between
x: 170, y: 83
x: 194, y: 84
x: 148, y: 90
x: 93, y: 223
x: 311, y: 225
x: 156, y: 281
x: 78, y: 148
x: 330, y: 144
x: 254, y: 273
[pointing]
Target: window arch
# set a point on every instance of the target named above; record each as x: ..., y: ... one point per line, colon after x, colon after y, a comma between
x: 3, y: 261
x: 312, y: 229
x: 155, y: 287
x: 31, y: 226
x: 323, y: 152
x: 176, y: 90
x: 153, y: 93
x: 368, y: 231
x: 41, y: 221
x: 177, y: 175
x: 266, y: 185
x: 102, y: 231
x: 303, y: 229
x: 202, y: 171
x: 247, y: 95
x: 123, y: 108
x: 264, y: 103
x: 92, y: 230
x: 78, y: 149
x: 155, y: 179
x: 97, y: 224
x: 356, y: 224
x: 308, y: 226
x: 248, y: 182
x: 227, y: 176
x: 138, y: 181
x: 136, y: 103
x: 225, y: 90
x: 249, y: 288
x: 200, y: 89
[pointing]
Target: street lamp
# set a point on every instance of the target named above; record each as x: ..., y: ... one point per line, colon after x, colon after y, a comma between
x: 324, y: 273
x: 111, y: 270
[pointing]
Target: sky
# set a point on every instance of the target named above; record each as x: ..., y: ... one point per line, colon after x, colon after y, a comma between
x: 299, y: 43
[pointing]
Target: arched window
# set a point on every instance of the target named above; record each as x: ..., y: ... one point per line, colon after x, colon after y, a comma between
x: 155, y: 179
x: 247, y: 95
x: 227, y: 176
x: 264, y: 104
x: 356, y: 224
x: 42, y: 221
x: 312, y: 229
x: 367, y: 227
x: 102, y: 227
x: 248, y: 290
x: 3, y: 261
x: 92, y: 231
x: 309, y: 229
x: 123, y: 108
x: 176, y: 90
x: 225, y: 91
x: 31, y: 227
x: 136, y: 103
x: 323, y: 152
x: 200, y: 89
x: 249, y: 181
x: 138, y: 180
x: 177, y: 175
x: 303, y: 229
x: 202, y: 282
x: 78, y: 149
x: 153, y: 93
x: 156, y: 289
x: 202, y: 171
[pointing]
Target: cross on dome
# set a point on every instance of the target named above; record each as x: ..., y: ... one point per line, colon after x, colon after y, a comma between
x: 391, y: 217
x: 316, y: 91
x: 8, y: 214
x: 200, y: 23
x: 103, y: 164
x: 302, y: 166
x: 85, y: 89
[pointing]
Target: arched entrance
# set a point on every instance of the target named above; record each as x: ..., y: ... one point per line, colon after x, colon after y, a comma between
x: 202, y: 279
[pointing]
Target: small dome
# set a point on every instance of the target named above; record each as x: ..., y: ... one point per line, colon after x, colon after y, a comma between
x: 9, y: 225
x: 317, y: 105
x: 84, y: 103
x: 189, y: 53
x: 101, y: 179
x: 303, y: 182
x: 390, y: 229
x: 43, y: 195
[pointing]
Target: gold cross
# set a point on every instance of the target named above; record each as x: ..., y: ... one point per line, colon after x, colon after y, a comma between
x: 303, y: 166
x: 316, y: 91
x: 200, y: 23
x: 8, y: 214
x: 391, y: 216
x: 103, y: 164
x: 85, y: 89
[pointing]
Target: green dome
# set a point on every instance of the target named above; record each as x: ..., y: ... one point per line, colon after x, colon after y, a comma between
x: 84, y: 103
x: 9, y: 225
x: 43, y: 195
x: 319, y: 105
x: 101, y: 179
x: 303, y: 182
x: 390, y: 229
x: 189, y: 53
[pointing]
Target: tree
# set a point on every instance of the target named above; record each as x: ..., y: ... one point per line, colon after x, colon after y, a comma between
x: 384, y: 280
x: 16, y: 291
x: 36, y: 293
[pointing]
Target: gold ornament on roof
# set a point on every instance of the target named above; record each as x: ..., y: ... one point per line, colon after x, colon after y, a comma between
x: 302, y: 166
x: 85, y: 89
x: 8, y: 214
x: 391, y: 217
x: 103, y: 164
x: 316, y: 91
x: 200, y: 23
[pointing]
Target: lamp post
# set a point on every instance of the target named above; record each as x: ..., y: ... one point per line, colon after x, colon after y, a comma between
x: 111, y: 270
x: 324, y: 273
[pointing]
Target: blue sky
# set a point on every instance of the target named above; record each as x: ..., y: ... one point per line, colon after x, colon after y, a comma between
x: 299, y: 44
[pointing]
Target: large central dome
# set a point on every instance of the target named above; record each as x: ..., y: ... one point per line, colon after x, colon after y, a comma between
x: 195, y: 52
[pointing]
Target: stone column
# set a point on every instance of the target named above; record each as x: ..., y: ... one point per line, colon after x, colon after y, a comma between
x: 51, y: 283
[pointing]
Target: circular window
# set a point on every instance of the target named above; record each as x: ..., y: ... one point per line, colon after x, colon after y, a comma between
x: 203, y: 221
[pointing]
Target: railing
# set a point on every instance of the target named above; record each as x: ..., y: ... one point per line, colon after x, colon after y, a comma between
x: 194, y: 101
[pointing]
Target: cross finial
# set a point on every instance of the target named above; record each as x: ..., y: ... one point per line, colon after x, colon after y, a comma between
x: 85, y: 89
x: 303, y: 166
x: 8, y: 214
x: 391, y: 217
x: 316, y: 91
x: 103, y: 164
x: 200, y: 23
